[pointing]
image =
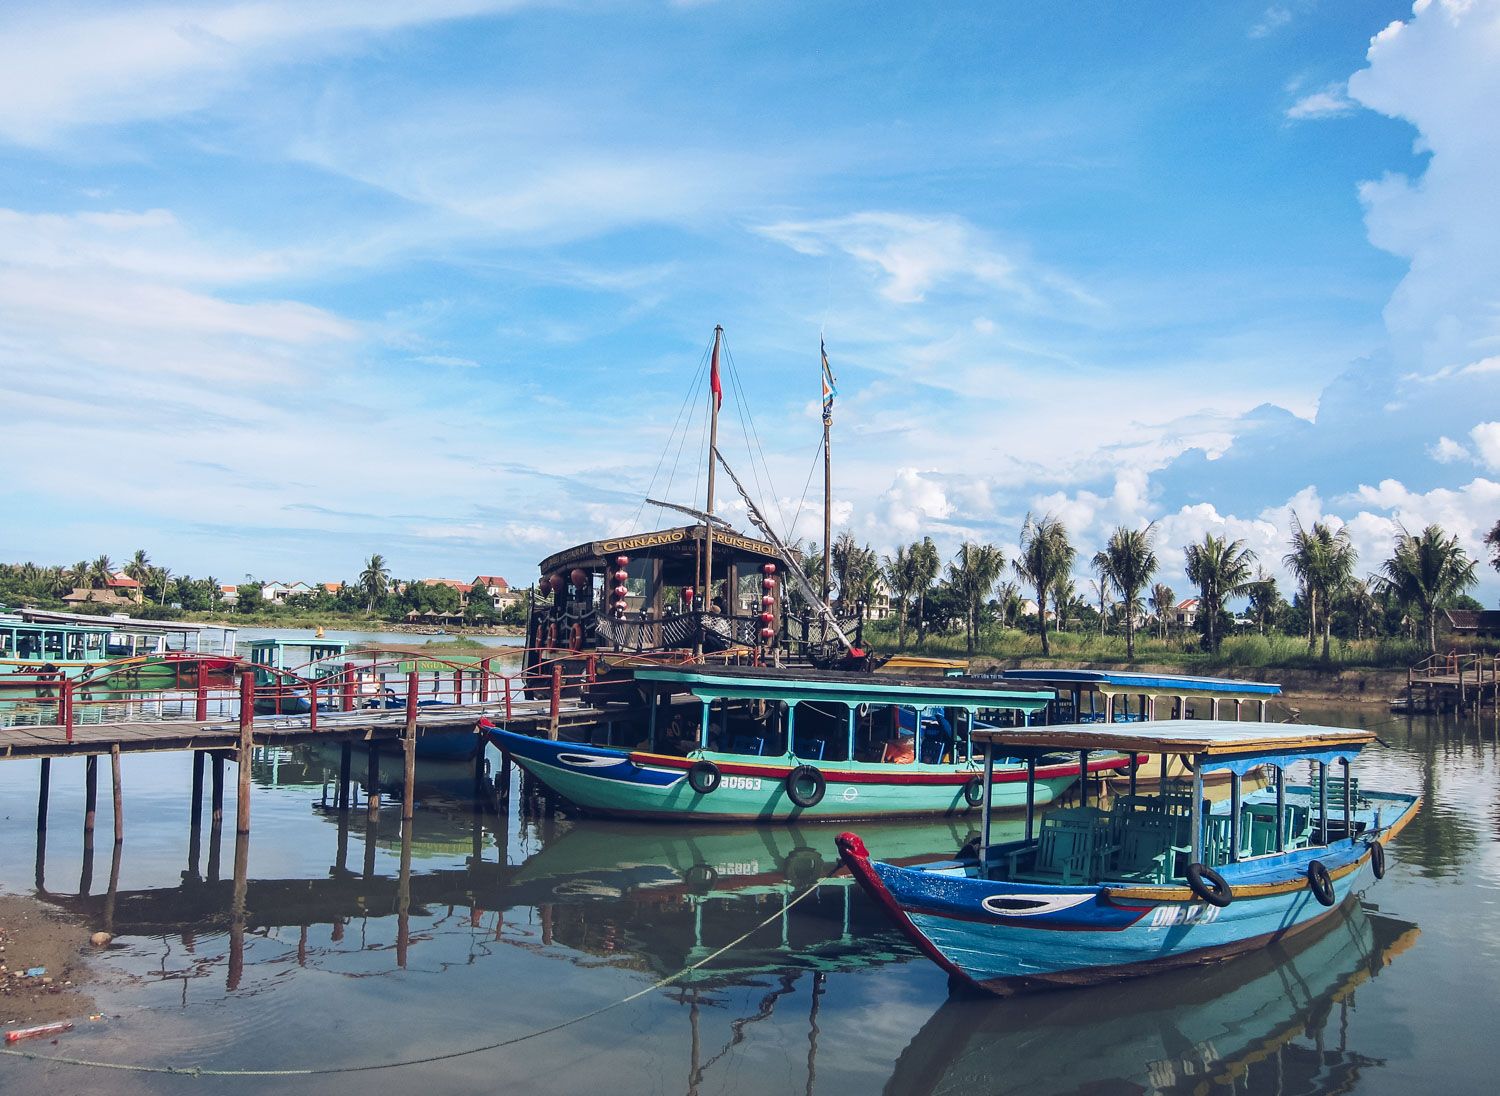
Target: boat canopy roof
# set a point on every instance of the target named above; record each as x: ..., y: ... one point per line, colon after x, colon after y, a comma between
x: 1213, y: 743
x: 681, y: 541
x: 116, y: 623
x: 15, y: 622
x: 1114, y: 681
x: 800, y: 687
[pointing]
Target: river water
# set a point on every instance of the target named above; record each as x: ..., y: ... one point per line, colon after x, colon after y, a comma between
x: 509, y: 924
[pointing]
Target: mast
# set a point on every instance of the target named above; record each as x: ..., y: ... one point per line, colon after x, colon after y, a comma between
x: 715, y: 398
x: 829, y: 392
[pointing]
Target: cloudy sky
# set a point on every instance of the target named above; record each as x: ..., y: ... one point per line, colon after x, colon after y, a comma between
x: 283, y: 284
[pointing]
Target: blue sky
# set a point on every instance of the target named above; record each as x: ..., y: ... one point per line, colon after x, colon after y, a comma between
x: 284, y: 284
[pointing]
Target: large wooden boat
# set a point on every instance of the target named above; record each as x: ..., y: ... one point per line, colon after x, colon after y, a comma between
x: 770, y: 746
x: 1158, y: 881
x: 39, y: 648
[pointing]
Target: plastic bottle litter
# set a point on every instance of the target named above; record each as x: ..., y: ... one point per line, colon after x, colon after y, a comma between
x: 36, y: 972
x: 42, y: 1029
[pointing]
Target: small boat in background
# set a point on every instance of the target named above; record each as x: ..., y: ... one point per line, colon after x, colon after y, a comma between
x: 1156, y: 881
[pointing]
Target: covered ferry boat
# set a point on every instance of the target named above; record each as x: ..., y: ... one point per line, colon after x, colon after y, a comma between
x: 1155, y: 881
x: 760, y: 745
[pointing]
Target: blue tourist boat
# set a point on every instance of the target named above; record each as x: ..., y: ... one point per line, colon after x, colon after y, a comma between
x: 1156, y: 881
x: 758, y: 745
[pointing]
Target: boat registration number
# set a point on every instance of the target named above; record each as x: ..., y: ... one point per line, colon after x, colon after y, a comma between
x: 1168, y: 916
x: 742, y: 783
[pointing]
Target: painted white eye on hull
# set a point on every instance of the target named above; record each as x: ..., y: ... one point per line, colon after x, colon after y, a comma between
x: 1032, y: 905
x: 585, y: 761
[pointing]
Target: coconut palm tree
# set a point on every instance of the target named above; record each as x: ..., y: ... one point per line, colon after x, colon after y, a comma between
x: 1163, y: 601
x: 973, y: 574
x: 901, y: 577
x: 78, y: 574
x: 1221, y: 570
x: 1323, y: 561
x: 139, y: 567
x: 374, y: 580
x: 1492, y: 538
x: 1101, y: 588
x: 1008, y: 603
x: 1358, y: 603
x: 1128, y: 561
x: 925, y: 567
x: 1045, y: 554
x: 100, y: 572
x: 1427, y: 570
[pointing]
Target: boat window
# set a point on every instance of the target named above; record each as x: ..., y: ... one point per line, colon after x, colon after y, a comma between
x: 94, y: 643
x: 73, y: 645
x: 7, y: 642
x: 52, y: 644
x: 28, y: 645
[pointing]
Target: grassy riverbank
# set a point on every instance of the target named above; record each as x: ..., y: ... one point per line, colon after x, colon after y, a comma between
x: 1242, y: 652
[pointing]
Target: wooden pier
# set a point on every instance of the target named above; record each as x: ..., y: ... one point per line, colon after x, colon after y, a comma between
x: 1453, y: 683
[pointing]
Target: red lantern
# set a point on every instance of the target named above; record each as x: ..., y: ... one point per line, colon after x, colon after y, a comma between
x: 558, y: 582
x: 580, y: 577
x: 769, y: 568
x: 767, y: 600
x: 766, y: 618
x: 768, y: 634
x: 621, y: 593
x: 687, y: 594
x: 768, y: 584
x: 622, y: 561
x: 621, y: 576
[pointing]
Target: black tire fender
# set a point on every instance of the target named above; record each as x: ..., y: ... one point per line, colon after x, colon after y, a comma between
x: 703, y: 777
x: 974, y: 791
x: 1320, y: 883
x: 1209, y: 885
x: 803, y: 866
x: 700, y: 878
x: 801, y: 795
x: 1377, y: 859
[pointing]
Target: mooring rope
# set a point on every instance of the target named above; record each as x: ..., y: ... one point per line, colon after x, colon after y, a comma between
x: 371, y: 1067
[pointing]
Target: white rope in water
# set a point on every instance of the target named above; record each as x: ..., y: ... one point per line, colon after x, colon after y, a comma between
x: 196, y: 1071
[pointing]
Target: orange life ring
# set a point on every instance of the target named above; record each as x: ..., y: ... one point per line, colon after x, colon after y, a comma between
x: 578, y: 637
x: 552, y: 635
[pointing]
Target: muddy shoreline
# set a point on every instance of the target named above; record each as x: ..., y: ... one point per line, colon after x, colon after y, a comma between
x: 34, y: 936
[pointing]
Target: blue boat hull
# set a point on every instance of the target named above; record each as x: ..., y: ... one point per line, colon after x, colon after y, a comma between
x: 1008, y: 937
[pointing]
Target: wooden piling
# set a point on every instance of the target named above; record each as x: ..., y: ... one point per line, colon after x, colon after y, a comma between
x: 217, y: 815
x: 237, y: 910
x: 43, y: 792
x: 90, y: 794
x: 196, y: 811
x: 247, y: 723
x: 372, y: 784
x: 346, y: 757
x: 200, y: 702
x: 409, y: 750
x: 119, y: 795
x: 556, y: 705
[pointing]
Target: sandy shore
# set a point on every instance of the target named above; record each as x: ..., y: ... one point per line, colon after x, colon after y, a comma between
x: 32, y: 935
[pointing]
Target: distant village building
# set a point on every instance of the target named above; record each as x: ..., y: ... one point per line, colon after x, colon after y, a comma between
x: 229, y: 595
x: 82, y: 595
x: 1471, y: 623
x: 463, y: 588
x: 496, y: 589
x: 1185, y: 616
x: 123, y: 586
x: 278, y: 592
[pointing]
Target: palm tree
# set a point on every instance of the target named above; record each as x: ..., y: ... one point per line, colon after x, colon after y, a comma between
x: 901, y: 577
x: 139, y: 567
x: 1492, y: 538
x: 374, y: 580
x: 1163, y: 601
x: 1221, y: 570
x: 1045, y: 554
x: 1128, y: 561
x: 925, y: 568
x: 1008, y: 602
x: 1265, y: 599
x: 1358, y: 603
x: 1065, y: 600
x: 160, y: 578
x: 1427, y: 570
x: 100, y: 572
x: 1100, y: 587
x: 1323, y: 560
x: 78, y: 574
x: 972, y: 574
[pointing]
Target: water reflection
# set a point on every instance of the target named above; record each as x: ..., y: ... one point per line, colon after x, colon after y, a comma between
x: 1273, y: 1022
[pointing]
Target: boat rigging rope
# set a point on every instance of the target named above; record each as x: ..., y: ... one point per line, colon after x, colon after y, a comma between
x: 371, y: 1067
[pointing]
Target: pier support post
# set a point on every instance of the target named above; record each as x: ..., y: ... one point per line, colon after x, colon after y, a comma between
x: 409, y: 752
x: 237, y: 911
x: 43, y: 791
x: 216, y: 815
x: 372, y: 784
x: 484, y: 681
x: 200, y: 702
x: 119, y: 794
x: 346, y: 758
x: 556, y: 701
x: 503, y: 781
x: 196, y: 810
x: 90, y: 796
x: 403, y: 896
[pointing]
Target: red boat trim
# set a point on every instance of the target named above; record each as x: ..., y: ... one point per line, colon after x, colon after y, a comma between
x: 856, y: 858
x: 860, y: 776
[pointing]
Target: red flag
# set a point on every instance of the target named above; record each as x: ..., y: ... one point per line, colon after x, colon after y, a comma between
x: 713, y: 378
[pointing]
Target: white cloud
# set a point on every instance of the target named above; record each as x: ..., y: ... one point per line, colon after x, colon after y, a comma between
x: 1440, y: 70
x: 1447, y: 451
x: 71, y: 65
x: 911, y: 504
x: 1487, y: 444
x: 1272, y: 19
x: 918, y: 254
x: 1323, y: 103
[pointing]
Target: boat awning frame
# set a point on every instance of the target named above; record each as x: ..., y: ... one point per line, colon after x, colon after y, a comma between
x: 1121, y: 682
x: 1216, y: 743
x: 826, y: 690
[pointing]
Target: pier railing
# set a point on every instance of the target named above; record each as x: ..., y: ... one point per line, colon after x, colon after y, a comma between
x: 207, y: 689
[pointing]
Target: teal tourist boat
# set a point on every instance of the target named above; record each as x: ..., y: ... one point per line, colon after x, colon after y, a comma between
x: 762, y: 745
x: 1156, y: 881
